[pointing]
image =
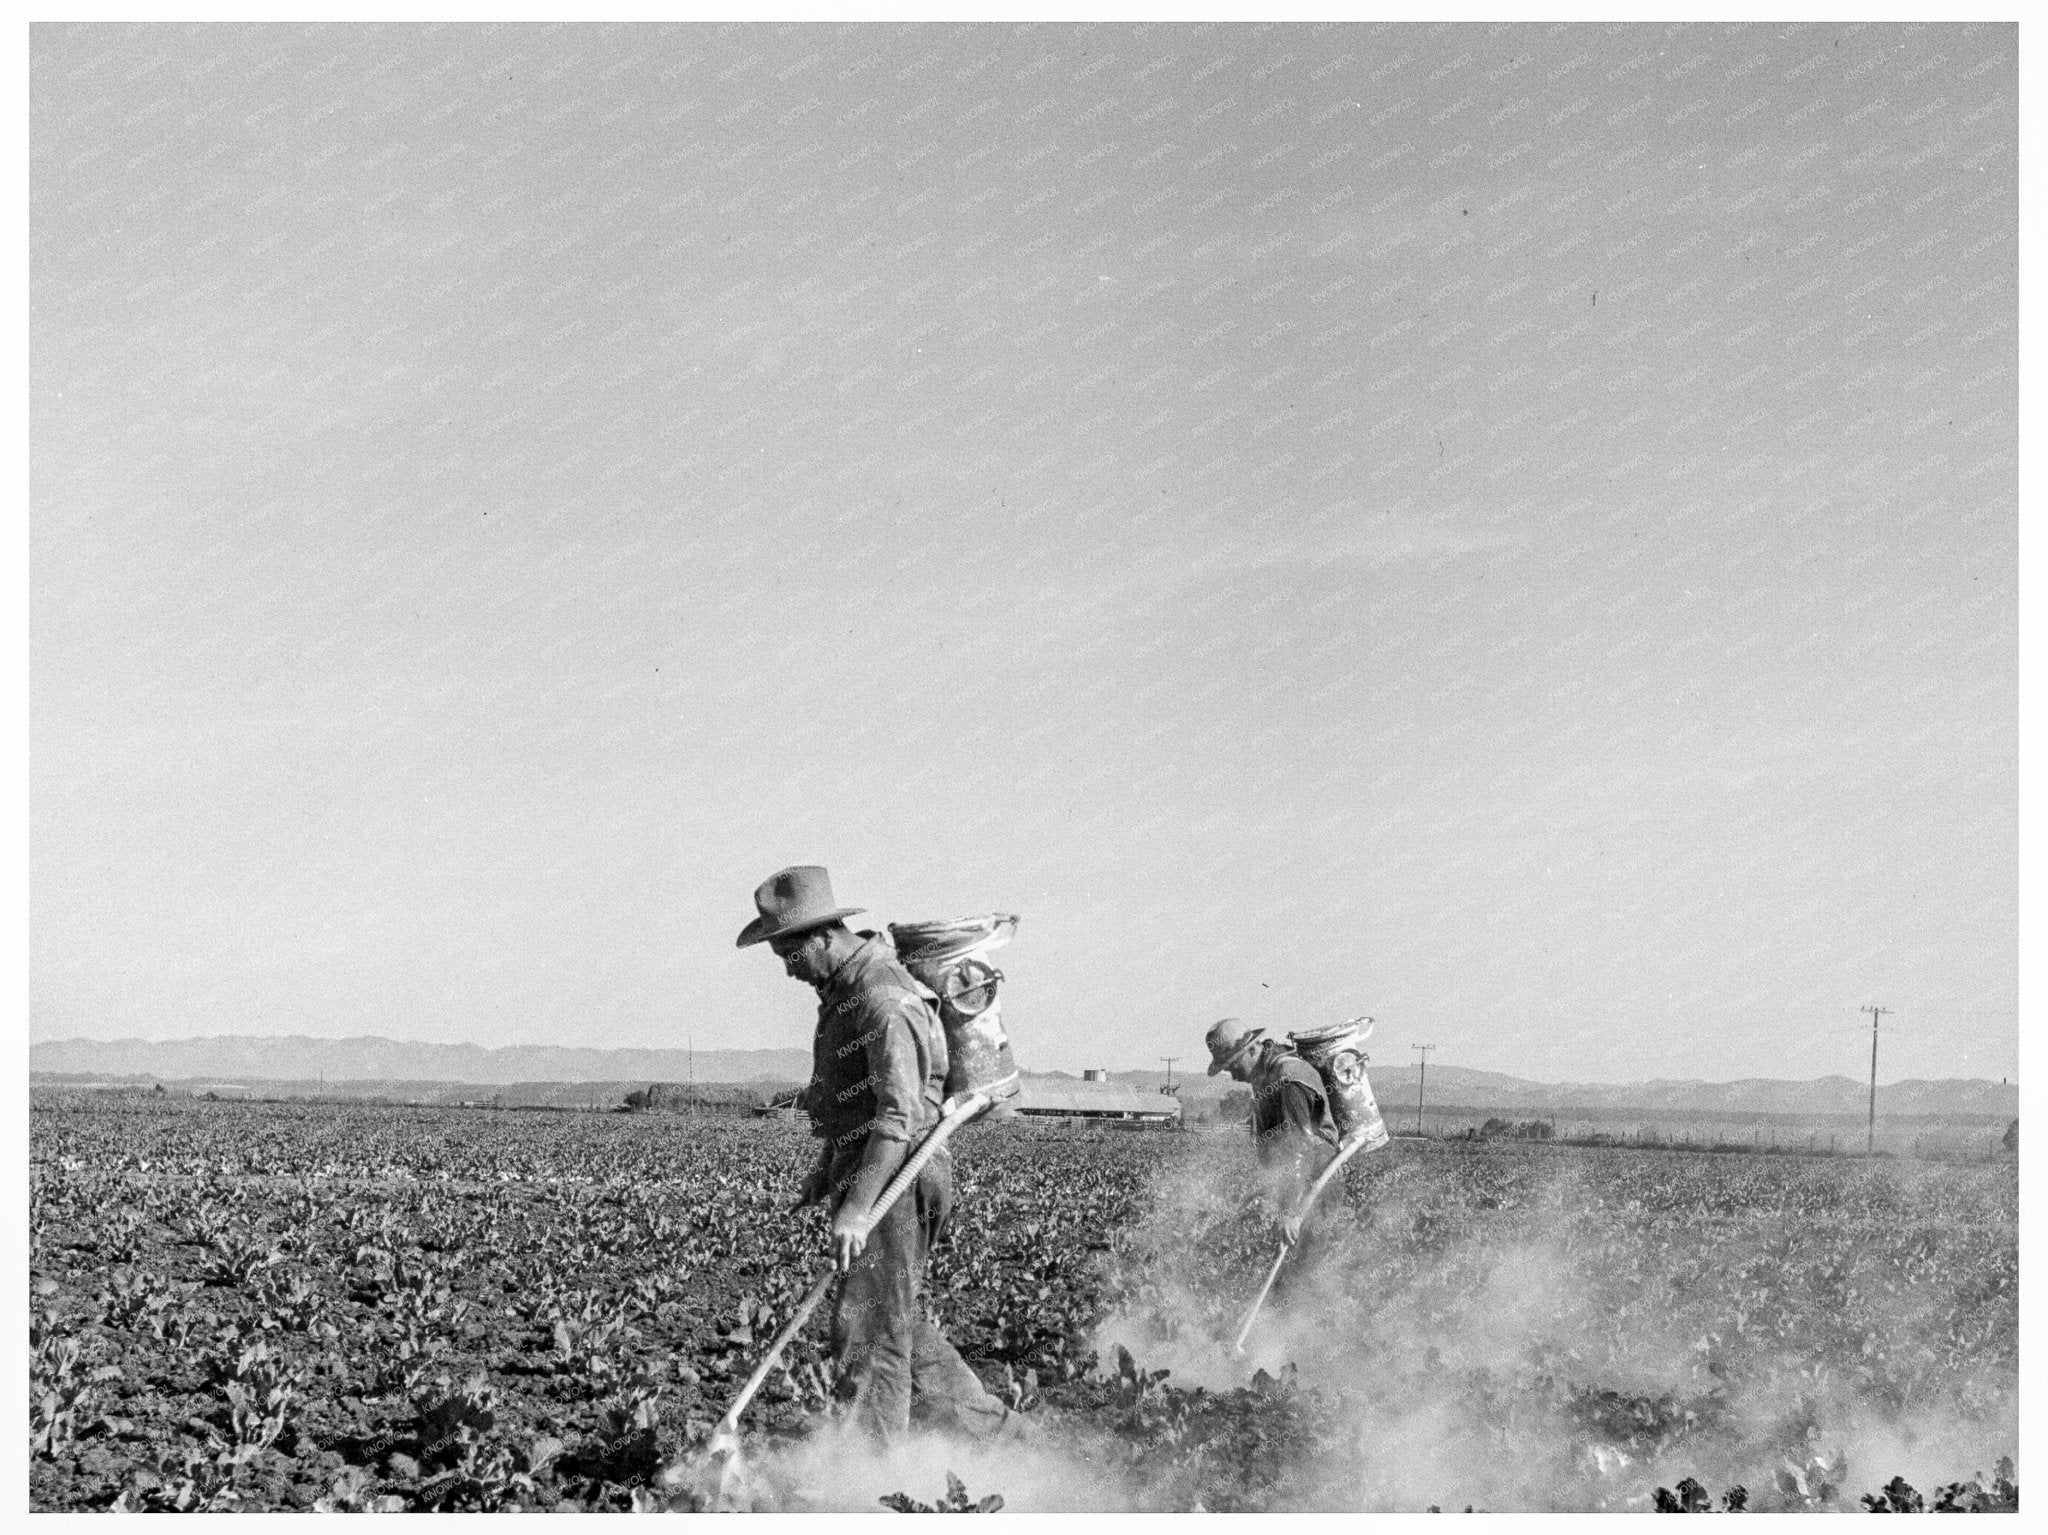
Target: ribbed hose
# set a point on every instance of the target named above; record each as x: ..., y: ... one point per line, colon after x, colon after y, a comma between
x: 955, y: 1115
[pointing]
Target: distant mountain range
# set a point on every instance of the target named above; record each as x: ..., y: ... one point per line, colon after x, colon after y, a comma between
x: 1394, y: 1087
x: 368, y: 1058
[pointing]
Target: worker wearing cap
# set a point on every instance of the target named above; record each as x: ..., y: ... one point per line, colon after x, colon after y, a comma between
x: 1292, y: 1131
x: 878, y: 1079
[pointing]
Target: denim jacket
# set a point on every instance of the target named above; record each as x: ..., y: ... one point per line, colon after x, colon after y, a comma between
x: 879, y: 1054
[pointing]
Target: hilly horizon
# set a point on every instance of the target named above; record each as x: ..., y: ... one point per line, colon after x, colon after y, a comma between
x: 376, y: 1058
x: 1395, y: 1089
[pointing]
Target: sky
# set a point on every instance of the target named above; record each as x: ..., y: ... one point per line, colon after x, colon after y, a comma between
x: 1505, y: 529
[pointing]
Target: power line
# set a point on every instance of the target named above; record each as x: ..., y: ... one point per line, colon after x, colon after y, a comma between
x: 1420, y: 1082
x: 1870, y: 1136
x: 1169, y: 1059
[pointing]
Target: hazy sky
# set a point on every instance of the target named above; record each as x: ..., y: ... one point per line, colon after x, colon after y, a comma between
x: 1507, y: 529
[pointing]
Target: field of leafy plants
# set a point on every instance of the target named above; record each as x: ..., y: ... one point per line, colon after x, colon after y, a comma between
x: 279, y: 1305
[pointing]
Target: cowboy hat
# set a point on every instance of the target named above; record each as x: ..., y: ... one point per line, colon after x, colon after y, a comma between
x: 1228, y: 1039
x: 793, y: 901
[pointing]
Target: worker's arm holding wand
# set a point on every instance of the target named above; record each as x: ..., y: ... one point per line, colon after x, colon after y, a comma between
x: 895, y: 1071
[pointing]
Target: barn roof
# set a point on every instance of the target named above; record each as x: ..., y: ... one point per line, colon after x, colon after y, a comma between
x: 1056, y: 1097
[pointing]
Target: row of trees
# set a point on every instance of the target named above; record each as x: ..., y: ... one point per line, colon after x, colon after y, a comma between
x: 726, y: 1097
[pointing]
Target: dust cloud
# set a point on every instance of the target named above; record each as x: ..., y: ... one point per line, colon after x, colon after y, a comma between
x: 1547, y: 1346
x: 838, y: 1470
x: 1535, y: 1341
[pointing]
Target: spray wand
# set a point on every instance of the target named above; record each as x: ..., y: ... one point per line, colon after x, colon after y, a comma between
x: 953, y: 1115
x: 1355, y: 1144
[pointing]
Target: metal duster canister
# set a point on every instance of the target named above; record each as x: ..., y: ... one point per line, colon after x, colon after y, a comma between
x: 1338, y: 1055
x: 951, y: 957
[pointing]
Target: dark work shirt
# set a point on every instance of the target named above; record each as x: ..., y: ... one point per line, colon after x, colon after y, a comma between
x: 1290, y: 1122
x: 878, y: 1059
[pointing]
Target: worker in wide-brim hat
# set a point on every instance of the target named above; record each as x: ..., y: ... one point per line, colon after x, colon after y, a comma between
x: 1229, y: 1042
x: 877, y: 1081
x: 1292, y: 1131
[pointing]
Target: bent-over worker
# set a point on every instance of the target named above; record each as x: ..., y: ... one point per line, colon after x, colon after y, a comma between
x: 1292, y: 1131
x: 878, y: 1079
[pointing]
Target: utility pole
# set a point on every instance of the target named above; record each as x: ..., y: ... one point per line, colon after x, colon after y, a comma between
x: 1172, y: 1092
x: 1420, y: 1082
x: 1870, y: 1139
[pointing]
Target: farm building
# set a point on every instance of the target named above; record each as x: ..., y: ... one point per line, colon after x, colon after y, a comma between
x: 1095, y: 1098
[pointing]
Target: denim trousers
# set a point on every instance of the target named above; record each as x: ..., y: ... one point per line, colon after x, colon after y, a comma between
x: 895, y: 1366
